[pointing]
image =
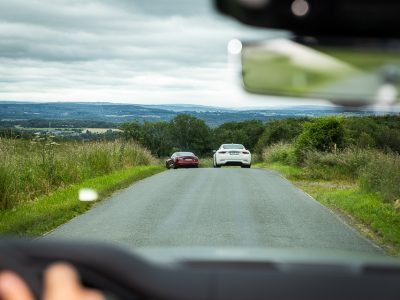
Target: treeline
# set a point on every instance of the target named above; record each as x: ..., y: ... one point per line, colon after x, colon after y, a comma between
x: 188, y: 133
x: 321, y: 134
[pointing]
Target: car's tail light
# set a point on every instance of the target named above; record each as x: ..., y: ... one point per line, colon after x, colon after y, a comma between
x: 246, y: 152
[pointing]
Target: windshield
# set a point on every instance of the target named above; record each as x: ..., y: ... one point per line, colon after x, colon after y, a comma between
x: 232, y: 146
x: 96, y: 95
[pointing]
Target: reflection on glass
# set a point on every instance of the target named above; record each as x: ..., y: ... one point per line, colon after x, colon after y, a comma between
x: 88, y: 195
x: 352, y: 76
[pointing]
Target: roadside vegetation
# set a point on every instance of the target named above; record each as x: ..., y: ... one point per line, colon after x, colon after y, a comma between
x: 351, y: 165
x: 47, y: 212
x: 32, y: 168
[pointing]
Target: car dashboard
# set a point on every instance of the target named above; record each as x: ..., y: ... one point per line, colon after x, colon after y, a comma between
x: 227, y: 274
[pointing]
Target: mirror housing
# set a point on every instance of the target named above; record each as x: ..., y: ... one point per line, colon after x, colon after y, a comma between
x: 327, y: 18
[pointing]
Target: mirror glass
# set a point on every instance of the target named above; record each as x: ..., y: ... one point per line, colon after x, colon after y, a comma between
x: 344, y: 75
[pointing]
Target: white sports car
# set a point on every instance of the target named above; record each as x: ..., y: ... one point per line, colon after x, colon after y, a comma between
x: 232, y: 155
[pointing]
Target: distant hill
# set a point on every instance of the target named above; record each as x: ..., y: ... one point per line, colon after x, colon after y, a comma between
x: 12, y: 112
x: 189, y: 107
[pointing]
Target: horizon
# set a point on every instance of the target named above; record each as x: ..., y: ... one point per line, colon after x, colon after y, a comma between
x: 282, y: 106
x: 167, y: 103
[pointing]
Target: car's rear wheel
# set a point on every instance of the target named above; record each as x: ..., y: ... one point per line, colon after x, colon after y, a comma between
x: 215, y: 165
x: 246, y: 166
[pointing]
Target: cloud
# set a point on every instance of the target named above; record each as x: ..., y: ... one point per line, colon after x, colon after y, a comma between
x: 122, y: 51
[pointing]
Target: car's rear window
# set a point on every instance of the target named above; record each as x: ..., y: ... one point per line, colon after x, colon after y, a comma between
x: 184, y: 154
x: 233, y: 146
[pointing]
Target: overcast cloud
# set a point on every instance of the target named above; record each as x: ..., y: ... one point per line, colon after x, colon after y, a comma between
x: 140, y: 51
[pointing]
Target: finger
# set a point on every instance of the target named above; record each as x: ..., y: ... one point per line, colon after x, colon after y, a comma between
x: 89, y: 294
x: 61, y: 281
x: 12, y: 287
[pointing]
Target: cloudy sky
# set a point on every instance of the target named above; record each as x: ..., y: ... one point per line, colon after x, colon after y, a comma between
x: 130, y: 51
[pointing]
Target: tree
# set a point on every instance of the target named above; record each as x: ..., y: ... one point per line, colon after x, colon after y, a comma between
x: 382, y: 132
x: 280, y: 131
x: 132, y: 130
x: 190, y: 134
x: 246, y: 133
x: 157, y: 137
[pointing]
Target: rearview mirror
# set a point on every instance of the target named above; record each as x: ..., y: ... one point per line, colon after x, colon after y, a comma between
x: 345, y: 75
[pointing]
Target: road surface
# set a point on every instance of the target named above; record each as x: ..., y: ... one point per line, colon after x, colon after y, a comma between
x: 214, y: 207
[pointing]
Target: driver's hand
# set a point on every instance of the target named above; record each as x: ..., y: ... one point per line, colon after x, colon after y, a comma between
x: 61, y: 282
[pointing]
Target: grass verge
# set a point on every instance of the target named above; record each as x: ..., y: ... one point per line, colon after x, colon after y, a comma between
x: 48, y: 212
x: 374, y: 218
x: 206, y: 162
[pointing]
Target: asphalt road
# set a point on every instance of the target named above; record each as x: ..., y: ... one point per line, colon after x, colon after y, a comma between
x: 214, y: 207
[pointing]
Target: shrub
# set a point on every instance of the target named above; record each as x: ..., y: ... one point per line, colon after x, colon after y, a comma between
x: 382, y: 176
x: 321, y: 135
x: 280, y: 152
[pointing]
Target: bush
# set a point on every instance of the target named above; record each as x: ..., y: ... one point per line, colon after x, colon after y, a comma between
x: 281, y: 152
x: 321, y: 134
x: 382, y: 176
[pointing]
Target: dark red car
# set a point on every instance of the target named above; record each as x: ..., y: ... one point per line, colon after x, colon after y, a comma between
x: 182, y: 159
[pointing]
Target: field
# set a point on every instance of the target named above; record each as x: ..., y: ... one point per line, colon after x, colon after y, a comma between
x: 68, y: 129
x: 100, y: 130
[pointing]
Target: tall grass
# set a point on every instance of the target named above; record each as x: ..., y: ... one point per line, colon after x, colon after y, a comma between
x: 342, y: 165
x: 375, y: 171
x: 382, y: 176
x: 280, y: 152
x: 29, y: 169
